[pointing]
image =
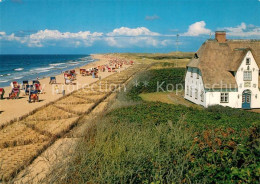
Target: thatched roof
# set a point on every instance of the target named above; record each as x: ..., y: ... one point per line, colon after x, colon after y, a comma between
x: 217, y: 60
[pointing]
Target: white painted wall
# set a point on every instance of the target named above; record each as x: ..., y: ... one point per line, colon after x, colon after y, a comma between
x: 255, y: 102
x: 213, y: 98
x: 195, y: 83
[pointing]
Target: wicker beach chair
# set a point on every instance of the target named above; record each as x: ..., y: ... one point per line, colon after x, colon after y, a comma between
x: 14, y: 93
x: 2, y: 92
x: 15, y: 84
x: 24, y: 84
x: 52, y: 80
x: 33, y: 96
x: 28, y: 88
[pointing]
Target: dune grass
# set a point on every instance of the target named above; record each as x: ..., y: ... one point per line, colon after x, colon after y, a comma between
x: 164, y: 143
x: 154, y: 142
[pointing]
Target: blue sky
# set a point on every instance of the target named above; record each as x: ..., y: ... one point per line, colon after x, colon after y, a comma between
x: 97, y: 26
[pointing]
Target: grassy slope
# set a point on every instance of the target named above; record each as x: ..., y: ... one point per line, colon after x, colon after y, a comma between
x: 164, y: 143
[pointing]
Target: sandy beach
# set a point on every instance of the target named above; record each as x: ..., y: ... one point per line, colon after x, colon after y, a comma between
x: 13, y: 109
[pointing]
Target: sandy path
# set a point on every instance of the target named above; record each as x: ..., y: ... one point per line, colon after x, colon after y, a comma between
x: 12, y: 109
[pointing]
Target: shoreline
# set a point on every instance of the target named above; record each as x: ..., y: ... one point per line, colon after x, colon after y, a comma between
x: 13, y: 109
x: 54, y: 72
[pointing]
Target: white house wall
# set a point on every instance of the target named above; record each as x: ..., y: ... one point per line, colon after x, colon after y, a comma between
x: 194, y: 83
x: 213, y: 98
x: 255, y: 97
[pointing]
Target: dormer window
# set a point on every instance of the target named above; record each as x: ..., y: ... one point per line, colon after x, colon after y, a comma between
x: 248, y: 61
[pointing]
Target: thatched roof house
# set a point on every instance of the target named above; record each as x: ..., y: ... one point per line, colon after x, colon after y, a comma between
x: 218, y: 61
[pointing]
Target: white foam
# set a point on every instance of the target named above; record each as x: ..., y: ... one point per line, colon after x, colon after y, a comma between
x: 2, y: 81
x: 18, y: 77
x: 40, y: 70
x: 18, y: 69
x: 57, y: 64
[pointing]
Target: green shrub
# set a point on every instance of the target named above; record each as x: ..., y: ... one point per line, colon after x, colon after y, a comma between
x: 172, y: 76
x: 163, y: 143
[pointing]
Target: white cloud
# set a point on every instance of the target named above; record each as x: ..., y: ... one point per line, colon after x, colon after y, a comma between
x: 85, y: 38
x: 196, y: 29
x: 243, y: 30
x: 122, y: 37
x: 139, y: 31
x: 125, y: 37
x: 51, y: 37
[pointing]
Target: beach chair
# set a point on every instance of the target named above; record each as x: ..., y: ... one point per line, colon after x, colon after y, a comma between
x: 52, y: 80
x: 37, y: 87
x: 33, y: 96
x: 15, y: 84
x: 28, y: 88
x: 2, y: 92
x: 82, y: 71
x: 36, y: 82
x: 14, y: 93
x: 24, y: 84
x: 96, y: 74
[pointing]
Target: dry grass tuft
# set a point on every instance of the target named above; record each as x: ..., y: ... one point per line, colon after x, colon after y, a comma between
x: 49, y: 113
x: 19, y: 134
x: 13, y: 159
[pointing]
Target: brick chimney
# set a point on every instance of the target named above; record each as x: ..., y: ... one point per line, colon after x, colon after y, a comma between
x: 220, y: 36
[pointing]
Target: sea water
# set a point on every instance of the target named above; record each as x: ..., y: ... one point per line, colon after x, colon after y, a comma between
x: 30, y: 67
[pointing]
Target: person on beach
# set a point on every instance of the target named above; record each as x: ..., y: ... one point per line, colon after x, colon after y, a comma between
x: 57, y: 89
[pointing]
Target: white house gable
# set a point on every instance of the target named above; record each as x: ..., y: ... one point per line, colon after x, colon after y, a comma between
x: 247, y: 77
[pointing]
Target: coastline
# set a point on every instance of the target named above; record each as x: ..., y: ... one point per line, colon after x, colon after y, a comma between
x: 13, y: 109
x: 54, y: 68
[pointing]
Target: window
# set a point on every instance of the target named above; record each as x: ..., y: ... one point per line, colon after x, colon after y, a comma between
x: 202, y: 95
x: 196, y: 94
x: 247, y: 75
x: 248, y: 61
x: 191, y: 74
x: 190, y: 91
x: 224, y: 97
x: 187, y: 90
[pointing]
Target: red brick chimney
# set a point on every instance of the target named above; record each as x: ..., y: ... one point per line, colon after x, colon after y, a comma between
x: 220, y: 36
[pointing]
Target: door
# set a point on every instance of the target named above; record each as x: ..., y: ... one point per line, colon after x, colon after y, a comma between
x: 246, y: 99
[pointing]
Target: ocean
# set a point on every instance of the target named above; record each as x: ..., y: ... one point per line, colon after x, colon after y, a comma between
x: 29, y: 67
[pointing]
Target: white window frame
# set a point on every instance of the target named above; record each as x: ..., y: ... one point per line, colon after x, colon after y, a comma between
x: 198, y: 76
x: 247, y: 75
x: 187, y: 90
x: 224, y: 97
x: 190, y: 91
x: 191, y: 73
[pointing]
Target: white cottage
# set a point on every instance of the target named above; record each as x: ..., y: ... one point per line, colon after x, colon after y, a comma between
x: 225, y: 72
